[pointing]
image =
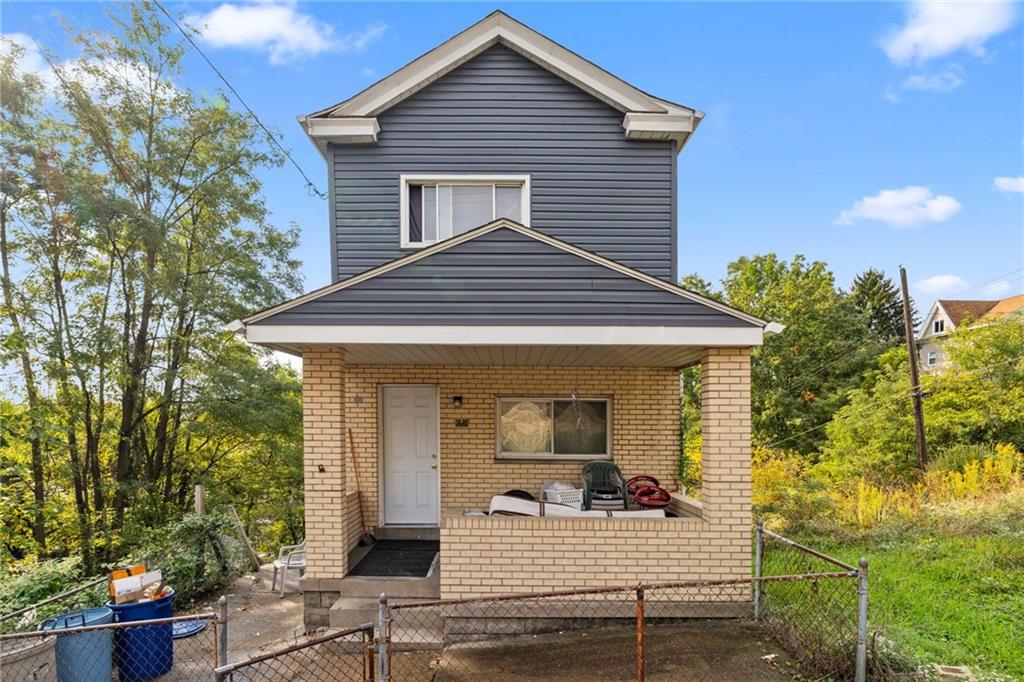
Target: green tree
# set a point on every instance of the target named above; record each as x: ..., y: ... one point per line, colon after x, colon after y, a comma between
x: 978, y: 400
x: 134, y: 229
x: 803, y: 375
x: 878, y: 299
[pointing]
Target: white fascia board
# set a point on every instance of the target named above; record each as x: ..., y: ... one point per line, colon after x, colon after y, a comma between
x: 472, y: 335
x: 341, y: 130
x: 474, y: 40
x: 668, y: 125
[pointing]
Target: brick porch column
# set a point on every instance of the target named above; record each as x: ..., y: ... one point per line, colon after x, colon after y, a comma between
x: 323, y: 420
x: 725, y: 415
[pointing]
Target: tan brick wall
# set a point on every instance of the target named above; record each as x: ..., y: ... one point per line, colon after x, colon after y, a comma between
x: 725, y: 425
x: 645, y: 425
x: 323, y: 418
x: 493, y: 555
x: 502, y: 554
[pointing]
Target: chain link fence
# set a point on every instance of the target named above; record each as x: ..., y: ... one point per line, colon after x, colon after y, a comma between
x: 814, y: 605
x: 802, y: 614
x: 335, y: 656
x: 128, y: 652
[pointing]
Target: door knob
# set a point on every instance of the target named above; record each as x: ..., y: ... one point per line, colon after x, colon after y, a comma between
x: 433, y: 466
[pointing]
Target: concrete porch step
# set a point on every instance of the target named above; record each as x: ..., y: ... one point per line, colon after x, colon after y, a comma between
x: 424, y: 630
x: 407, y: 533
x: 365, y: 587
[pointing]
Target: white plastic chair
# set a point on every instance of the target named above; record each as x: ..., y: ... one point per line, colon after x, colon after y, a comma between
x: 289, y: 557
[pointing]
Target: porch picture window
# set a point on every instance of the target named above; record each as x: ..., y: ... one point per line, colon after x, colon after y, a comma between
x: 554, y: 428
x: 434, y: 209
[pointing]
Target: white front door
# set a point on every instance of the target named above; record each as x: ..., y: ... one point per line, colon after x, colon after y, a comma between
x: 411, y: 459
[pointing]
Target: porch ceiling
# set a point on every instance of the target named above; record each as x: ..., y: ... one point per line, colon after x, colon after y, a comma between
x: 522, y: 355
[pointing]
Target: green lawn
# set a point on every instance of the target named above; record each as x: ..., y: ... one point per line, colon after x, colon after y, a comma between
x: 950, y: 600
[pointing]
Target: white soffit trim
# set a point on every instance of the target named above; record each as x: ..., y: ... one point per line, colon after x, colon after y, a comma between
x: 470, y: 335
x: 645, y: 126
x: 496, y: 27
x: 340, y: 130
x: 515, y: 227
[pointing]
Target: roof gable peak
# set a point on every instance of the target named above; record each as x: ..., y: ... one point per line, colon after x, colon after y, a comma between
x: 645, y: 116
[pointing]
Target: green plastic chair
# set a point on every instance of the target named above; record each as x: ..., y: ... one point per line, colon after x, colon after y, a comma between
x: 606, y: 481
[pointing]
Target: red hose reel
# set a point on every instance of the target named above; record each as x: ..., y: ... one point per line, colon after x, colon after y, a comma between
x: 648, y: 493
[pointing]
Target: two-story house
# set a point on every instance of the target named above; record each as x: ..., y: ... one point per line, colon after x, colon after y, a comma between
x: 504, y: 309
x: 945, y: 316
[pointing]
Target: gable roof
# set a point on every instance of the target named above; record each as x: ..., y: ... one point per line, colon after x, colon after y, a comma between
x: 1005, y: 307
x: 646, y: 117
x: 504, y: 273
x: 959, y: 311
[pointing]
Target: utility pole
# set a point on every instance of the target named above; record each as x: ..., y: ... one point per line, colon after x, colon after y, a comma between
x: 915, y: 379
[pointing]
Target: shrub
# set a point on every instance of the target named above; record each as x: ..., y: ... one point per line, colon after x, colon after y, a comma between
x: 38, y: 581
x: 954, y: 458
x: 196, y: 555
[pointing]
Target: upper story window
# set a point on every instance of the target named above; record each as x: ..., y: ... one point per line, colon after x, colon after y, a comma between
x: 938, y: 326
x: 933, y: 358
x: 436, y: 207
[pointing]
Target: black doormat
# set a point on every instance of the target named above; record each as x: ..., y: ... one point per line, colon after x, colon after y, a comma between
x: 398, y: 559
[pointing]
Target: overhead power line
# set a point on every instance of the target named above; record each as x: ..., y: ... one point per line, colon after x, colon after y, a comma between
x: 310, y: 185
x: 871, y: 404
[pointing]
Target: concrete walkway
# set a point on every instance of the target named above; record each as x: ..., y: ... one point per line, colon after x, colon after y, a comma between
x: 719, y: 650
x: 259, y: 620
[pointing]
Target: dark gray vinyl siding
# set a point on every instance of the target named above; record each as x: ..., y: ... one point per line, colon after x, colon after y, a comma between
x: 501, y: 113
x: 504, y: 278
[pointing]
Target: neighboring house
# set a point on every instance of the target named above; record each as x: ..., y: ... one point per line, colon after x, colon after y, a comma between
x: 946, y: 316
x: 503, y: 244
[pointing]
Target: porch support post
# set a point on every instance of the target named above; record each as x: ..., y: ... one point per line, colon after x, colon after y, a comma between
x: 325, y: 454
x: 725, y: 415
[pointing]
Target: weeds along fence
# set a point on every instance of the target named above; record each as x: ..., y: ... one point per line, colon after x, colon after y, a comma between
x: 27, y: 618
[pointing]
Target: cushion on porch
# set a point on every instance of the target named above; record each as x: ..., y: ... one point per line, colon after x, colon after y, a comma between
x: 503, y: 505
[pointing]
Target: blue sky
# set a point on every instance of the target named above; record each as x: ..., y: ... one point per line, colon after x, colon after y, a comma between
x: 871, y: 134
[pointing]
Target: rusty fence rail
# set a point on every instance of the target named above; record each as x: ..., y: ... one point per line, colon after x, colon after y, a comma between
x: 342, y: 655
x: 807, y: 622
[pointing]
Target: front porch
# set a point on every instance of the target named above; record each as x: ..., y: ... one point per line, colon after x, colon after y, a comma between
x: 345, y: 417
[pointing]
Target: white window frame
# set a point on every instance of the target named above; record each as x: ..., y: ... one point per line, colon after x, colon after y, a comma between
x: 938, y: 326
x: 552, y: 456
x: 403, y: 191
x: 932, y: 358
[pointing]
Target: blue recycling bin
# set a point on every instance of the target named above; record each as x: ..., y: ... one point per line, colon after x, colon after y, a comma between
x: 82, y: 656
x: 146, y: 651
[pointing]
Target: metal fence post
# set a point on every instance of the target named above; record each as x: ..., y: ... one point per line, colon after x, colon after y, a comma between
x: 640, y: 633
x: 383, y: 639
x: 758, y: 559
x: 222, y: 631
x: 860, y: 674
x: 369, y: 639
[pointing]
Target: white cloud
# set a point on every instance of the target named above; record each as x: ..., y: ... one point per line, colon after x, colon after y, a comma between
x: 906, y: 207
x: 89, y: 74
x: 935, y: 29
x: 890, y: 95
x: 998, y: 289
x: 1009, y: 184
x: 941, y: 284
x: 279, y: 29
x: 31, y: 58
x: 944, y: 81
